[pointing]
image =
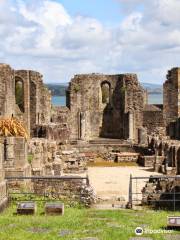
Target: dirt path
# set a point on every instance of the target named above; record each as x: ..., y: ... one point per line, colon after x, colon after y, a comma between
x: 113, y: 182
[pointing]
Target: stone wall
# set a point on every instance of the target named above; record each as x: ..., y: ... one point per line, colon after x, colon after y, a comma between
x: 69, y: 188
x: 119, y: 117
x: 58, y: 129
x: 153, y: 120
x: 155, y: 193
x: 15, y: 157
x: 7, y: 97
x: 44, y: 157
x: 76, y: 157
x: 125, y: 157
x: 172, y: 96
x: 167, y: 155
x: 40, y: 102
x: 3, y: 190
x: 36, y: 99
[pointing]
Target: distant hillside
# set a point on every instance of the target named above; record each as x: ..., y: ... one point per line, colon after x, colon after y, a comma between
x: 59, y: 89
x: 153, y: 88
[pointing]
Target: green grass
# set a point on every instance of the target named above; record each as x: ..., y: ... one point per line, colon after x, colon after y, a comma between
x: 103, y: 224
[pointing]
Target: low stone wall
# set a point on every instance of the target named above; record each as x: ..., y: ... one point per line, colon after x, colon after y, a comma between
x: 53, y: 131
x: 73, y: 189
x: 125, y: 157
x: 147, y: 161
x: 73, y: 161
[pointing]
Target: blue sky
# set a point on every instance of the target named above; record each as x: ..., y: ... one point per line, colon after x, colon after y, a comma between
x: 60, y: 38
x: 106, y: 11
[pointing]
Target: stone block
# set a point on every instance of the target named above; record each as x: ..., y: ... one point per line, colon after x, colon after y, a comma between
x: 54, y: 208
x: 173, y: 221
x: 26, y: 208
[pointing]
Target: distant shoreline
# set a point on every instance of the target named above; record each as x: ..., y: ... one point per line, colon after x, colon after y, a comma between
x: 155, y: 93
x: 60, y: 89
x: 153, y: 98
x: 151, y: 93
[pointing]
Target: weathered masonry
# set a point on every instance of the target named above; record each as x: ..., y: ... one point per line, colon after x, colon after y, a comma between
x: 107, y: 106
x: 172, y: 96
x: 107, y: 117
x: 23, y: 94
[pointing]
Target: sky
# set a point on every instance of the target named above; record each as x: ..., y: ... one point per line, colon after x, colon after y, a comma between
x: 61, y: 38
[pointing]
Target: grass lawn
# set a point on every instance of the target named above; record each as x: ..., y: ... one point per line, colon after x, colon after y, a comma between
x: 81, y: 223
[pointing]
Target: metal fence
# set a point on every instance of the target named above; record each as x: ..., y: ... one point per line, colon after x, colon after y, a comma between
x: 150, y: 191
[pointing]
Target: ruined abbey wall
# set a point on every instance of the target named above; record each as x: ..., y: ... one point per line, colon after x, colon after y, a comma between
x: 119, y: 117
x: 7, y: 90
x: 36, y: 97
x: 172, y: 96
x: 40, y: 101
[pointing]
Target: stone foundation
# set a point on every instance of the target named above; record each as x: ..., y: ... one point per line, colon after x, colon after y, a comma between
x: 125, y: 157
x: 72, y: 189
x: 147, y: 161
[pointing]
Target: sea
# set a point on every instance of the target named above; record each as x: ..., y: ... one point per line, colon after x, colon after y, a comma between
x: 153, y: 99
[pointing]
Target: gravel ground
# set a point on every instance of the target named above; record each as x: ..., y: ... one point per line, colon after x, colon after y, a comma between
x: 113, y: 182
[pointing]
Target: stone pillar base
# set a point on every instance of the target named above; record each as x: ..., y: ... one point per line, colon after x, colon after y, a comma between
x: 3, y: 196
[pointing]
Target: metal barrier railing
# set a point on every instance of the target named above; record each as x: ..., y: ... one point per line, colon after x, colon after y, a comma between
x: 157, y: 197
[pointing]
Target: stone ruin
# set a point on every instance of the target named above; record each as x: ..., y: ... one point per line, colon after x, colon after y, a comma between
x: 107, y: 106
x: 106, y: 116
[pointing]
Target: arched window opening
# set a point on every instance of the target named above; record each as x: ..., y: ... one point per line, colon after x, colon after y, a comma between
x: 105, y: 88
x: 19, y: 93
x: 170, y: 158
x: 160, y: 150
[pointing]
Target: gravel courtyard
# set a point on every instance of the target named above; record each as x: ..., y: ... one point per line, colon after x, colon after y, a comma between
x: 113, y: 182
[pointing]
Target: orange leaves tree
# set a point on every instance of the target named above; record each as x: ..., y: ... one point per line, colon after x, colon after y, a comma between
x: 12, y: 127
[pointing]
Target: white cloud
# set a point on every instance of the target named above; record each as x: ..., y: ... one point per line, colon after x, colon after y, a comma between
x: 41, y: 35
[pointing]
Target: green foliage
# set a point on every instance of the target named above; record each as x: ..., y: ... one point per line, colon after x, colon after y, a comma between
x: 30, y: 158
x: 19, y: 93
x: 76, y: 88
x: 123, y: 90
x: 57, y: 90
x: 105, y: 93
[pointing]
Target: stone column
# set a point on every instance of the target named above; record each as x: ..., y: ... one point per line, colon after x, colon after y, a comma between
x: 9, y: 156
x: 131, y: 126
x: 3, y: 192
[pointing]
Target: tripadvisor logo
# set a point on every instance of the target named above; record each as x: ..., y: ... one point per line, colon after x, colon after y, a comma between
x: 139, y: 231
